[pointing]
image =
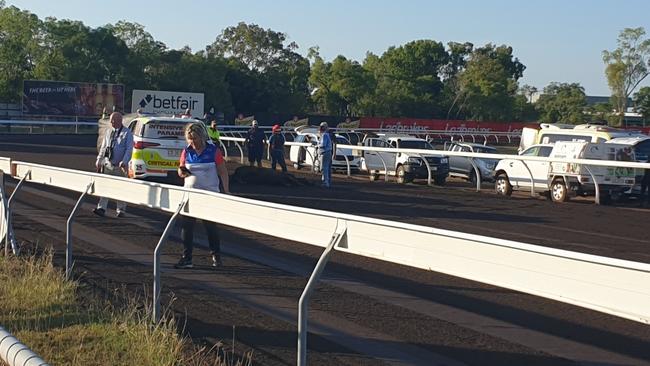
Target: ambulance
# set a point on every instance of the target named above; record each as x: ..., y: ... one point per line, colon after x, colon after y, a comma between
x: 549, y: 133
x: 157, y: 146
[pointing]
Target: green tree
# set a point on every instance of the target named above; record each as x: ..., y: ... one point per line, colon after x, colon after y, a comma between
x: 408, y: 79
x: 488, y: 84
x: 256, y: 47
x: 627, y: 66
x: 601, y: 113
x: 642, y: 102
x: 562, y: 102
x: 20, y: 32
x: 276, y: 76
x: 339, y: 86
x: 458, y: 56
x: 75, y: 52
x: 143, y: 57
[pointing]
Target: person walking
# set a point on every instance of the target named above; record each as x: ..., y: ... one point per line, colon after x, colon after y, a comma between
x: 255, y: 141
x: 276, y: 143
x: 202, y: 167
x: 113, y: 159
x: 644, y: 198
x: 325, y: 154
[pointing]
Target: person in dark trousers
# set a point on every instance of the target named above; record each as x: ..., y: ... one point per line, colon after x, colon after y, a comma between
x: 113, y: 159
x: 202, y: 167
x: 645, y: 185
x: 276, y: 143
x: 324, y: 149
x: 255, y: 141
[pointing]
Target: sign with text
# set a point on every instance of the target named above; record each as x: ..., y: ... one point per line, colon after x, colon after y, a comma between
x: 167, y: 102
x: 63, y: 98
x: 416, y: 125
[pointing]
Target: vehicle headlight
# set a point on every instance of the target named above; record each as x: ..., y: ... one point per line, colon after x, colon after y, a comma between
x: 414, y: 160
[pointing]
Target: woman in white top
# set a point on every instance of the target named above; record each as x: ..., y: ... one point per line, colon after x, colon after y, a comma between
x: 203, y: 167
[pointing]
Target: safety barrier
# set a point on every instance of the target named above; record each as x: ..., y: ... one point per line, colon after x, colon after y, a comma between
x: 14, y: 353
x: 31, y: 124
x: 612, y: 286
x: 469, y: 155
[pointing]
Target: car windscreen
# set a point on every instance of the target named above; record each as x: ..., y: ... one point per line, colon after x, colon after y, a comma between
x: 415, y: 144
x: 164, y: 130
x: 342, y: 140
x: 485, y: 150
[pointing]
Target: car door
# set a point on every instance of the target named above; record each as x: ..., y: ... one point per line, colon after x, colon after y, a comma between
x: 540, y: 168
x: 294, y: 151
x: 312, y: 158
x: 462, y: 163
x: 517, y: 171
x: 371, y: 158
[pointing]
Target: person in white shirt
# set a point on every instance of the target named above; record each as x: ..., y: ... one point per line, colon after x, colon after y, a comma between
x: 113, y: 159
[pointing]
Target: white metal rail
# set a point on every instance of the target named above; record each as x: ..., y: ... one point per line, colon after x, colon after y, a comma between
x: 612, y: 286
x: 14, y: 353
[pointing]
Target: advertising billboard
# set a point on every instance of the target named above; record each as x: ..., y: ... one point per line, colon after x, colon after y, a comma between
x: 416, y: 125
x: 63, y: 98
x: 167, y: 102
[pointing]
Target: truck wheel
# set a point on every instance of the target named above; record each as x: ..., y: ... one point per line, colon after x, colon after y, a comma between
x: 502, y: 185
x: 440, y: 181
x: 559, y: 191
x: 401, y: 175
x: 472, y: 177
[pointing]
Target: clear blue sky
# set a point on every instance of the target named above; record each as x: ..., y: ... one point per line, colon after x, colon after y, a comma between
x: 557, y: 40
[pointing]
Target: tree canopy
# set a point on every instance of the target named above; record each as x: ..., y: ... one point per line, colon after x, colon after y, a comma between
x: 627, y: 66
x: 249, y: 69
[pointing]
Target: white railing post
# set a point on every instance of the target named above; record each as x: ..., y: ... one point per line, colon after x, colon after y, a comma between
x: 9, y: 235
x: 347, y: 162
x: 339, y: 232
x: 426, y: 163
x: 593, y: 178
x: 477, y: 172
x: 68, y: 233
x: 156, y: 261
x: 4, y: 225
x: 532, y: 178
x: 225, y: 151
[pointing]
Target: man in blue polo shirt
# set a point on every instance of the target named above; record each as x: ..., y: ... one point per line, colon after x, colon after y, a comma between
x: 325, y: 154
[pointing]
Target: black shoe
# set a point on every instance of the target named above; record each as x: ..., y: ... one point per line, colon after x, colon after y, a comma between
x: 99, y: 212
x: 120, y: 214
x: 184, y: 263
x: 216, y: 261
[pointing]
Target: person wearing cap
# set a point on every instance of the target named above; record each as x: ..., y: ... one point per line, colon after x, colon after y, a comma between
x: 325, y: 154
x: 276, y: 144
x: 255, y: 141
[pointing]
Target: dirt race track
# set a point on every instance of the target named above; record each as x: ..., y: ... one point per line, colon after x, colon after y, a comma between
x: 364, y: 312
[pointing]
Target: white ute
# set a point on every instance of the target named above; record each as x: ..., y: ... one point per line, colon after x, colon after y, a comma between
x: 404, y: 166
x: 562, y: 180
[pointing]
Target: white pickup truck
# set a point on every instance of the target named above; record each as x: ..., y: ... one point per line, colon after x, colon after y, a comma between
x: 562, y: 180
x: 404, y: 166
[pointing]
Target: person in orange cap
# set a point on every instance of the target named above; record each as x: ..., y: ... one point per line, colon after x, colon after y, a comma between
x: 276, y: 143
